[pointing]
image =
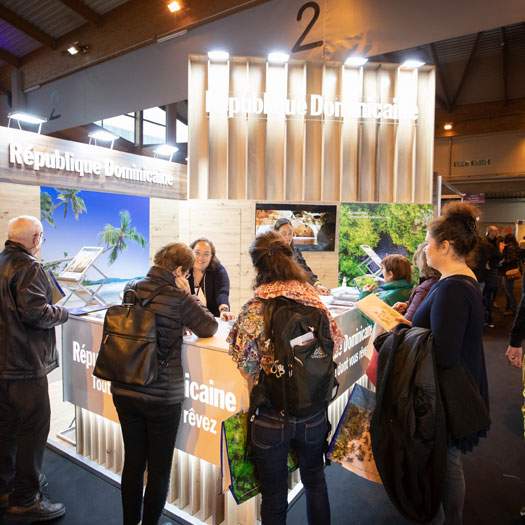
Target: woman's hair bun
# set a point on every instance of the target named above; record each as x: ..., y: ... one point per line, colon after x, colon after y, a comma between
x: 462, y: 212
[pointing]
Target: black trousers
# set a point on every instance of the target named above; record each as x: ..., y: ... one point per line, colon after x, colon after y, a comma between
x: 24, y: 427
x: 149, y: 433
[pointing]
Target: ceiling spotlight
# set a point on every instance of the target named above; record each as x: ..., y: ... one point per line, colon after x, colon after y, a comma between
x: 173, y: 6
x: 278, y: 57
x: 448, y: 126
x: 412, y: 64
x: 218, y: 55
x: 103, y: 135
x: 356, y: 61
x: 166, y: 150
x: 26, y: 117
x: 76, y: 49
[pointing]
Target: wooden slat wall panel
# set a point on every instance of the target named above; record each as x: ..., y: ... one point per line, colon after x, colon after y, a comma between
x: 276, y: 86
x: 331, y: 175
x: 368, y: 146
x: 351, y: 93
x: 316, y: 158
x: 18, y: 200
x: 403, y: 186
x: 424, y: 136
x: 163, y: 224
x: 237, y: 135
x: 313, y: 158
x: 295, y: 136
x: 387, y: 78
x: 256, y: 134
x: 218, y: 74
x: 198, y: 128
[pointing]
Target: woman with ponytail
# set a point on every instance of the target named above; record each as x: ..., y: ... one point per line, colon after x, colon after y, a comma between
x: 279, y: 275
x: 453, y: 311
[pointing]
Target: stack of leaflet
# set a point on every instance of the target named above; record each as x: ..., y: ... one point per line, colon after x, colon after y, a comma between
x: 345, y: 296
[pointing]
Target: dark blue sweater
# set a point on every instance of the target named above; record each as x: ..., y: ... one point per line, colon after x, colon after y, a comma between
x: 453, y: 310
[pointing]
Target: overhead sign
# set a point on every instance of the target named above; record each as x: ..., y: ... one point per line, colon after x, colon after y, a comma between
x: 469, y: 163
x: 30, y: 158
x: 475, y: 198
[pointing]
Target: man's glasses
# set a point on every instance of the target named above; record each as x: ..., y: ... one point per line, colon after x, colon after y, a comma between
x: 41, y: 238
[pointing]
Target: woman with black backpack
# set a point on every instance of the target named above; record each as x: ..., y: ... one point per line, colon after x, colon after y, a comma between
x: 274, y: 430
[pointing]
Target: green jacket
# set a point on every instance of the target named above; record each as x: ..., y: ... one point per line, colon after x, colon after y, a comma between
x: 392, y: 292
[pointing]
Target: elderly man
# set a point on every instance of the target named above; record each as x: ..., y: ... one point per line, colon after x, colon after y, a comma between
x: 27, y: 354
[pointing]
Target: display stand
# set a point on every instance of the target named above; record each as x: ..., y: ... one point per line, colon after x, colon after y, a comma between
x: 372, y: 258
x: 71, y: 278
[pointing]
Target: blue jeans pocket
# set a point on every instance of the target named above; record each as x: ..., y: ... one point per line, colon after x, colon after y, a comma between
x: 267, y: 434
x: 315, y: 431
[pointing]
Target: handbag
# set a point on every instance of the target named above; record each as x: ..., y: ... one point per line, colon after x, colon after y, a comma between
x: 237, y: 466
x: 513, y: 274
x: 128, y: 352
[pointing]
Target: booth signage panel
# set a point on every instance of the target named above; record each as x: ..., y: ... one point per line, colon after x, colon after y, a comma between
x: 213, y: 387
x: 30, y: 158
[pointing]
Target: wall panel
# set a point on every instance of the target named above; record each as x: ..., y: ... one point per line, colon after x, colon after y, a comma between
x: 367, y: 149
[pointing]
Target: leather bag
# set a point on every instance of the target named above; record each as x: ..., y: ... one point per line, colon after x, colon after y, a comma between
x: 513, y: 274
x: 128, y: 352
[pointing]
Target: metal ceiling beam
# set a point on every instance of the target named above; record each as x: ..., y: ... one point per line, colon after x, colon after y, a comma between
x: 84, y: 11
x: 8, y: 57
x: 504, y: 64
x: 442, y: 102
x: 465, y: 71
x: 441, y: 76
x: 27, y: 27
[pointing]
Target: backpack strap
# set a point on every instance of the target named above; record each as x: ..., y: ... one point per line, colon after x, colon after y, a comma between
x: 133, y: 290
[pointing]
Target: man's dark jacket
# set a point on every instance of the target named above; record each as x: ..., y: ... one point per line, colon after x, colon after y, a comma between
x: 27, y: 317
x: 407, y: 429
x: 174, y: 309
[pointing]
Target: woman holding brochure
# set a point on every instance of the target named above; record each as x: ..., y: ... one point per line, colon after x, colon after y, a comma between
x: 453, y: 311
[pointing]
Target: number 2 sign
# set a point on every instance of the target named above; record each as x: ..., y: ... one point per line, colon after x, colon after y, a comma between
x: 299, y: 46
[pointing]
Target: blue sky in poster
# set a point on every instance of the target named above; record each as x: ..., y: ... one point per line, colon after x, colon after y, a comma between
x: 70, y: 235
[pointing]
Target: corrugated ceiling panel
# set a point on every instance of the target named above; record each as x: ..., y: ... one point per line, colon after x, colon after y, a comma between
x: 103, y: 6
x: 15, y: 41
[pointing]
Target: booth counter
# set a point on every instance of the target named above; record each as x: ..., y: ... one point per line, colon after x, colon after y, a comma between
x: 214, y: 390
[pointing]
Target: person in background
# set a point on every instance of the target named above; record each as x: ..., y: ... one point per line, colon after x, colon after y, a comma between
x: 285, y: 229
x: 27, y: 354
x: 453, y: 311
x: 514, y: 353
x: 397, y: 272
x: 278, y: 274
x: 427, y: 278
x: 149, y: 414
x: 209, y: 280
x: 511, y: 260
x: 522, y: 249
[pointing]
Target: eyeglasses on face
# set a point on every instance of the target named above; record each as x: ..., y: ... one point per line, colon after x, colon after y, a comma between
x: 202, y: 254
x: 41, y: 238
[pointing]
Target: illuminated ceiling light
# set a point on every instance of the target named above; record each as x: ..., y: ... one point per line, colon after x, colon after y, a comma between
x: 173, y: 6
x: 356, y: 61
x: 104, y: 136
x: 166, y: 150
x: 75, y: 49
x: 448, y: 126
x: 26, y: 117
x: 412, y: 64
x: 218, y: 55
x: 278, y: 57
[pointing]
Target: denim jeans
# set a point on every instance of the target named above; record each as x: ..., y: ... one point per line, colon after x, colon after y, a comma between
x: 149, y: 433
x: 489, y: 295
x: 509, y: 292
x: 271, y: 440
x: 451, y: 510
x: 24, y: 426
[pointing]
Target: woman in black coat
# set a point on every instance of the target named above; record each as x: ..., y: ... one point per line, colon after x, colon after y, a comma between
x: 511, y: 261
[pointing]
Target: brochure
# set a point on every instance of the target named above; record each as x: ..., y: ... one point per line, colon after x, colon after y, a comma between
x: 83, y: 310
x: 56, y: 289
x: 377, y: 310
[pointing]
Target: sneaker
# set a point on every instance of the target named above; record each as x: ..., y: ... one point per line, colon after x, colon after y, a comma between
x: 40, y: 510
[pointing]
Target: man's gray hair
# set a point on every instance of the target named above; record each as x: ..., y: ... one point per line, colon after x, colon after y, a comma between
x: 23, y: 228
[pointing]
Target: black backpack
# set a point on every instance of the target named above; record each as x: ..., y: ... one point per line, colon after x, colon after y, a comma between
x: 128, y: 353
x: 303, y: 380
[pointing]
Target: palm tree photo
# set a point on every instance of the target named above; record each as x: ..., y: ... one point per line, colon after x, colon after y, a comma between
x: 115, y: 238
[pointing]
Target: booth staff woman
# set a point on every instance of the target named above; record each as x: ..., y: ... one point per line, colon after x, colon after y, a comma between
x: 278, y: 275
x: 149, y: 415
x: 285, y: 229
x: 209, y: 280
x: 453, y: 310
